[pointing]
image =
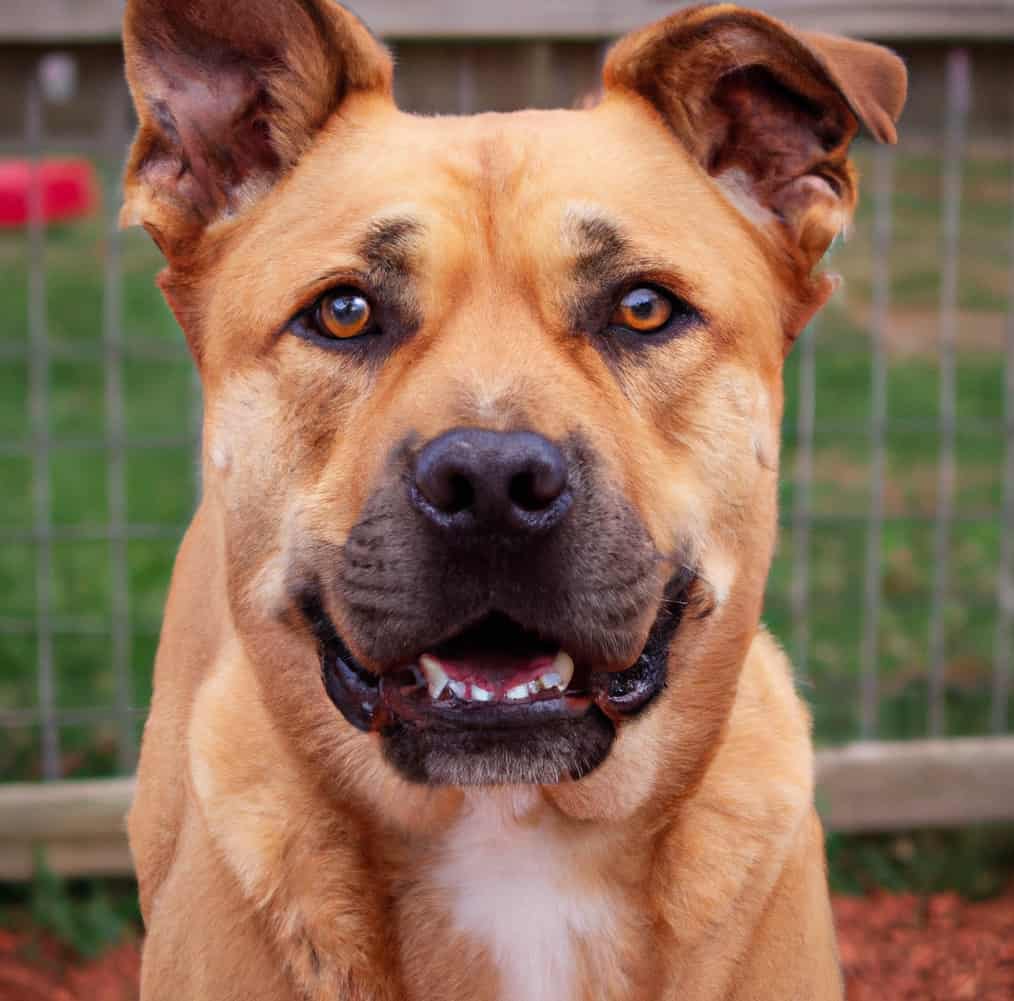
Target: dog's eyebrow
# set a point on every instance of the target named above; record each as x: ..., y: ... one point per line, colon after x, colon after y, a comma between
x: 603, y: 258
x: 600, y: 248
x: 389, y: 245
x: 389, y: 248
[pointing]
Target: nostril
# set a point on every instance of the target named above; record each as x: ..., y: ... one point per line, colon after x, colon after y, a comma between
x: 532, y: 492
x: 522, y: 492
x: 490, y: 481
x: 460, y: 494
x: 446, y: 486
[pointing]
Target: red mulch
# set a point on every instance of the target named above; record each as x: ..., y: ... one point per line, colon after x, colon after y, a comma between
x: 35, y: 969
x: 893, y: 947
x: 907, y: 948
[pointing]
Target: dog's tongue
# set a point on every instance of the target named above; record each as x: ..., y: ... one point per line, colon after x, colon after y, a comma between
x: 501, y: 668
x: 495, y: 659
x: 495, y: 650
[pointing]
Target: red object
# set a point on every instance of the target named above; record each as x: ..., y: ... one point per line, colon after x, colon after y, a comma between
x: 69, y: 190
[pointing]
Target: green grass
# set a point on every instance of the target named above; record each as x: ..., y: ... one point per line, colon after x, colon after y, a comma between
x: 160, y: 482
x: 975, y: 862
x: 841, y: 487
x: 86, y: 916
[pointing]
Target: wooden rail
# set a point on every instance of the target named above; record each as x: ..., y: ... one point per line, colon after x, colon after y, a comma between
x: 870, y: 786
x: 79, y: 825
x: 876, y: 786
x: 99, y: 20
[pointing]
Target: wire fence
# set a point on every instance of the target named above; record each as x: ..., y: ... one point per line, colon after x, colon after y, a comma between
x: 115, y: 444
x: 41, y: 350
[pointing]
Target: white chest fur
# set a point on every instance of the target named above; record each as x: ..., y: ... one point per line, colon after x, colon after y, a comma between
x: 508, y: 873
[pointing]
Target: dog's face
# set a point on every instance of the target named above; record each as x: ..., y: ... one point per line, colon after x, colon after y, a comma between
x: 493, y: 403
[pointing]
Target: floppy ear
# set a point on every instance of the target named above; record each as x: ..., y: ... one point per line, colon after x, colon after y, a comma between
x: 228, y: 97
x: 768, y: 112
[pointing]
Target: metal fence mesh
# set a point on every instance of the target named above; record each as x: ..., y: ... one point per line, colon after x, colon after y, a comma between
x: 49, y: 626
x: 42, y: 350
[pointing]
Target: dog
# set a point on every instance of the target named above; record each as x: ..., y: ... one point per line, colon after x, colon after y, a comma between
x: 461, y: 693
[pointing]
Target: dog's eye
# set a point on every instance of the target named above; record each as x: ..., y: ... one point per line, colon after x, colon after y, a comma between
x: 344, y: 314
x: 644, y: 310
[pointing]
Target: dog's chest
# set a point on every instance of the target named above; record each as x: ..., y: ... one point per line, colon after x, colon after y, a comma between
x: 513, y: 888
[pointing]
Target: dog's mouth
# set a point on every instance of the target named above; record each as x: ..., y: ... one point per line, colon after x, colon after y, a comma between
x: 493, y: 662
x: 495, y: 682
x: 494, y: 672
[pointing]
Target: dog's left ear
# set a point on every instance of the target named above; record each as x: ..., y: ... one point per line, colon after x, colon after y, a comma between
x: 767, y: 111
x: 229, y: 96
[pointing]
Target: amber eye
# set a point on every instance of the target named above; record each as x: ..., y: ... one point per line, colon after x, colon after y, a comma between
x: 344, y: 314
x: 643, y: 310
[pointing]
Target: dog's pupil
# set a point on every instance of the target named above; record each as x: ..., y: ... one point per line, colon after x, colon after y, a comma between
x: 644, y: 303
x: 644, y: 310
x: 349, y: 310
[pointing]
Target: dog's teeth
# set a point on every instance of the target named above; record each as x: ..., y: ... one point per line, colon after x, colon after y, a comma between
x: 436, y: 677
x: 558, y: 677
x: 563, y: 666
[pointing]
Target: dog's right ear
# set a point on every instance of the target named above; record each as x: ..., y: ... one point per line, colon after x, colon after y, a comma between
x: 228, y: 97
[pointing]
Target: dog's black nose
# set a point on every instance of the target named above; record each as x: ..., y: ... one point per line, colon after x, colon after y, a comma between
x: 491, y: 481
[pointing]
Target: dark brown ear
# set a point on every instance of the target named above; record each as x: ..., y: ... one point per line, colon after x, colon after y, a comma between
x: 767, y: 111
x: 229, y: 96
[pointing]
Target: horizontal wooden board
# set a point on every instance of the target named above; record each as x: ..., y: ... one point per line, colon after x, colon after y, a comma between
x: 864, y: 787
x: 923, y: 783
x: 84, y: 20
x: 81, y: 827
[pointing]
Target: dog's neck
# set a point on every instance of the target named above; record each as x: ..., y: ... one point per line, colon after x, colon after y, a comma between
x: 531, y: 895
x: 495, y: 892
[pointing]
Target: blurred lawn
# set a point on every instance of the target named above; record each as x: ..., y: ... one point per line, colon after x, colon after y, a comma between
x: 161, y: 481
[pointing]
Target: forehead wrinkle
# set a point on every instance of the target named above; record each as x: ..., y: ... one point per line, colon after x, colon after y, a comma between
x: 501, y: 166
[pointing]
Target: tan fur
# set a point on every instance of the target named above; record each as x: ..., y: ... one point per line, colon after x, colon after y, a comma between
x: 280, y: 857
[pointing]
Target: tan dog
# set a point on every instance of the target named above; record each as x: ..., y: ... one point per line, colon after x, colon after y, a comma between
x: 461, y: 694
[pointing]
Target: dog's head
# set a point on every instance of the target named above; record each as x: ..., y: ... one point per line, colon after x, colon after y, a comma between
x: 492, y: 403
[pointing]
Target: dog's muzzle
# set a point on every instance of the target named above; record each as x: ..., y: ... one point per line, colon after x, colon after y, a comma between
x: 503, y: 593
x: 496, y: 704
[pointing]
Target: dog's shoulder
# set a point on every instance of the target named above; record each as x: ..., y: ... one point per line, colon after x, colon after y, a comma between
x: 722, y: 856
x: 765, y: 761
x: 193, y: 622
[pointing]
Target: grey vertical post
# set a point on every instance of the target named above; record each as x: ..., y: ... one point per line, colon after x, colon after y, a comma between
x: 1005, y: 575
x: 958, y: 95
x: 540, y: 74
x: 802, y: 500
x: 466, y: 80
x: 39, y: 411
x: 116, y: 458
x: 883, y: 186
